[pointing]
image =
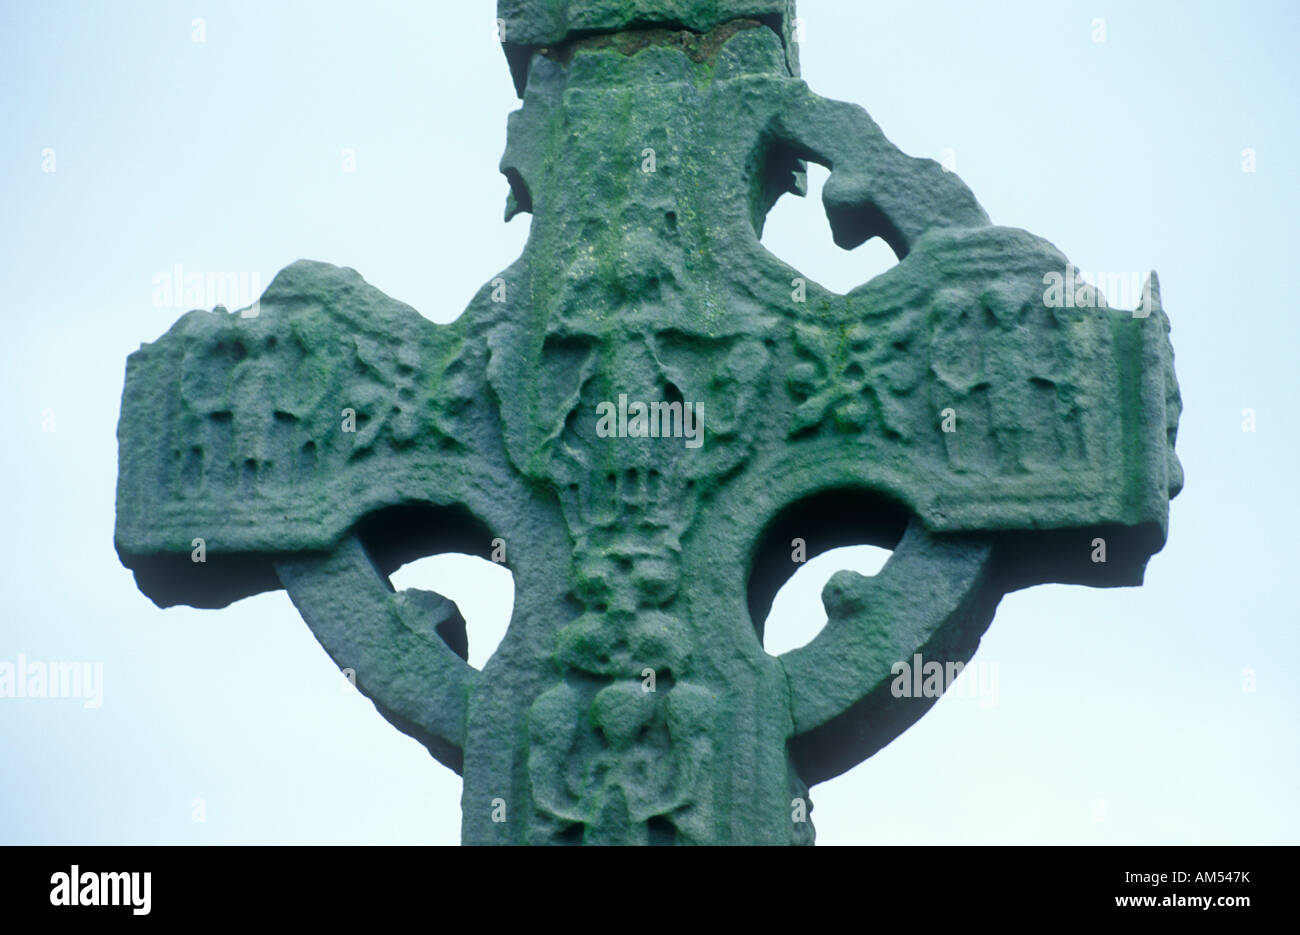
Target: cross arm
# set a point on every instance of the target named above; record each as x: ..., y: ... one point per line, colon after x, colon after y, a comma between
x: 264, y: 448
x: 273, y: 431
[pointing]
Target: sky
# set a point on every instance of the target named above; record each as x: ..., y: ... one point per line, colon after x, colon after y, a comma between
x: 241, y: 136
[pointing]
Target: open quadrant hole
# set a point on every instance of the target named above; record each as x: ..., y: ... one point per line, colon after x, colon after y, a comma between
x: 796, y: 231
x: 797, y: 613
x: 482, y: 590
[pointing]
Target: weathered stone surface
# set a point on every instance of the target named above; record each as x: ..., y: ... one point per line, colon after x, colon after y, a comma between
x: 338, y: 434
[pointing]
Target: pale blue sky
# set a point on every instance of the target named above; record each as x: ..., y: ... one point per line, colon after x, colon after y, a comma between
x: 1120, y: 714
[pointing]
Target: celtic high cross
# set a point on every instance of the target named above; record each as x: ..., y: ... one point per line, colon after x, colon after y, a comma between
x: 644, y: 412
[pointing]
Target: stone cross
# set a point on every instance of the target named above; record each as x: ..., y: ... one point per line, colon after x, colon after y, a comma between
x: 651, y: 419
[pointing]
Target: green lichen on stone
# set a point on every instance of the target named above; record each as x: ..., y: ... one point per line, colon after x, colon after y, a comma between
x: 949, y: 409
